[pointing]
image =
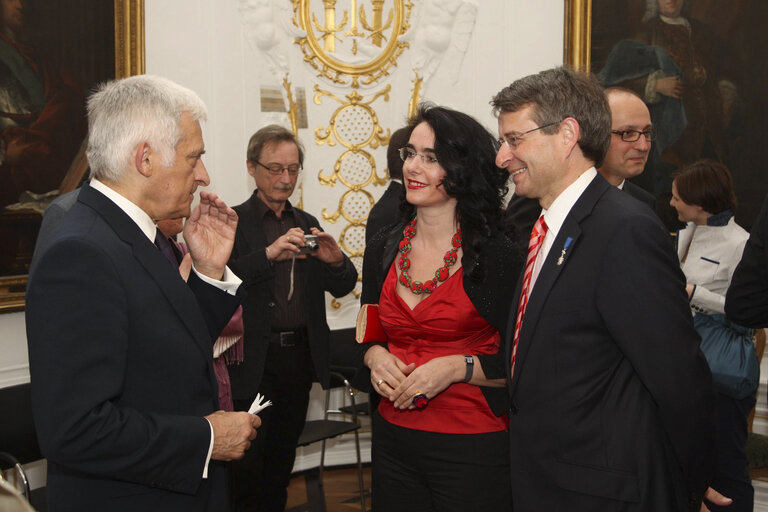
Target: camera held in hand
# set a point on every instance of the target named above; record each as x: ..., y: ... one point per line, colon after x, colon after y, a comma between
x: 310, y: 244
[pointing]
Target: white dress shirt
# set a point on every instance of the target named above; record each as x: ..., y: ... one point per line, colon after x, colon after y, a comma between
x: 556, y: 214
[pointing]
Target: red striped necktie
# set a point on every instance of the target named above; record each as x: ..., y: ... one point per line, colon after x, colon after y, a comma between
x: 534, y: 244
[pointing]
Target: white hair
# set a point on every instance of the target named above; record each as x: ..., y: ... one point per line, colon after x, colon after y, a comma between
x: 124, y: 113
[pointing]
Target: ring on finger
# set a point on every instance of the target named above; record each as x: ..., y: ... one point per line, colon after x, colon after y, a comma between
x: 379, y: 382
x: 420, y: 400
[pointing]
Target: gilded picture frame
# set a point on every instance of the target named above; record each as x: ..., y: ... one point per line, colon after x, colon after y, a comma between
x: 719, y: 62
x: 129, y: 60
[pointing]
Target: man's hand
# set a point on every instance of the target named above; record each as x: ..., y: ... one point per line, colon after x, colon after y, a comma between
x: 232, y: 433
x: 328, y: 251
x: 715, y: 498
x: 210, y: 235
x: 287, y: 246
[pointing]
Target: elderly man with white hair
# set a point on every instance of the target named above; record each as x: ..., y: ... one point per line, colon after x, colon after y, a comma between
x: 120, y: 346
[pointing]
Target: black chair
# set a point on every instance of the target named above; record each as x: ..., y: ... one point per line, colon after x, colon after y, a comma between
x: 345, y: 360
x: 322, y: 430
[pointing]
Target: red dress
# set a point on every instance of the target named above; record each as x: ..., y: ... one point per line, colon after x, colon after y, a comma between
x: 445, y: 323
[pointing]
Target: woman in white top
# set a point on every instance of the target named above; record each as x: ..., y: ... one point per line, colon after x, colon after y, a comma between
x: 709, y: 248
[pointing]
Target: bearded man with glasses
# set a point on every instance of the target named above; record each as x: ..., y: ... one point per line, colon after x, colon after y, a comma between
x: 286, y: 344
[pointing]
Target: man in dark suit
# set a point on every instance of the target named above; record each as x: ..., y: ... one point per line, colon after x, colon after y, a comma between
x: 120, y: 346
x: 631, y: 136
x: 746, y: 300
x: 286, y: 341
x: 611, y: 399
x: 53, y: 214
x: 387, y: 209
x: 624, y: 159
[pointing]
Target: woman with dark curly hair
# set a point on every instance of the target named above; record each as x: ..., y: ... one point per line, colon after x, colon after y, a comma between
x: 443, y: 280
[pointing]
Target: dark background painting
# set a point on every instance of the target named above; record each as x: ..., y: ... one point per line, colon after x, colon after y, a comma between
x: 736, y: 42
x: 70, y: 45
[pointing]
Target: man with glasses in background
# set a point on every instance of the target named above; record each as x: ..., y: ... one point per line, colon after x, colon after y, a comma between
x: 285, y: 272
x: 611, y: 398
x: 631, y: 137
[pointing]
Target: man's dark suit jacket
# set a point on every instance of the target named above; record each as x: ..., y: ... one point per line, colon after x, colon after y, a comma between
x: 640, y: 194
x: 385, y: 212
x: 611, y: 398
x: 249, y: 262
x: 120, y: 352
x: 523, y: 212
x: 746, y: 301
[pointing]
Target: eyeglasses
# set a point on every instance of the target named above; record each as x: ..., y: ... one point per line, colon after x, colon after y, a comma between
x: 277, y: 169
x: 514, y: 140
x: 634, y: 135
x: 409, y: 153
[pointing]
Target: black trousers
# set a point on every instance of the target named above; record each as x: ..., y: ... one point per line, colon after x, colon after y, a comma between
x: 419, y: 471
x: 731, y: 471
x: 259, y: 481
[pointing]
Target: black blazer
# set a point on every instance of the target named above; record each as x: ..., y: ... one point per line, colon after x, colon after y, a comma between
x: 611, y: 396
x: 523, y: 212
x: 120, y: 352
x: 640, y: 194
x: 491, y: 298
x: 249, y: 262
x: 385, y: 212
x: 746, y: 301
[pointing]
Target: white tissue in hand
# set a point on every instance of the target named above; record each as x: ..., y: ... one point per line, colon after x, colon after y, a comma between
x: 258, y: 404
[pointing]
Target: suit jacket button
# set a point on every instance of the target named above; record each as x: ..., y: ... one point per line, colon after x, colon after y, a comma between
x: 513, y: 409
x: 271, y: 304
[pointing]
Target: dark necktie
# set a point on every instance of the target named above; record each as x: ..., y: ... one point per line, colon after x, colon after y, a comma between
x: 164, y: 245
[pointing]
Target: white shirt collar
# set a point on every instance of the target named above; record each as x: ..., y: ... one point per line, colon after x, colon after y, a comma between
x: 137, y: 215
x: 676, y: 21
x: 621, y: 185
x: 556, y: 214
x: 561, y: 206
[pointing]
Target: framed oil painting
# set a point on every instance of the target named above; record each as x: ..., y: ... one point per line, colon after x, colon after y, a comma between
x: 699, y: 65
x: 52, y: 54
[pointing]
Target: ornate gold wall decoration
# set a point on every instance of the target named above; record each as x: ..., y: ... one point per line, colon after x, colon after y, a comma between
x: 413, y: 104
x: 293, y: 108
x: 355, y: 126
x: 364, y: 53
x: 293, y: 115
x: 352, y: 43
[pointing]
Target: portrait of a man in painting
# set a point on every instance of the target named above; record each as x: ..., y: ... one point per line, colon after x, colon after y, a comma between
x: 698, y: 66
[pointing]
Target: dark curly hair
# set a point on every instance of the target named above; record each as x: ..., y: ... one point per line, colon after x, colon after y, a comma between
x: 466, y: 150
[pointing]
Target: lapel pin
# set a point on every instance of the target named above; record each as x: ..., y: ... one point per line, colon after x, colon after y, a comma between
x: 565, y: 248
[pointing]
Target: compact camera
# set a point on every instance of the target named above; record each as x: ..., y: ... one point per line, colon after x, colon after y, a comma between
x: 310, y: 244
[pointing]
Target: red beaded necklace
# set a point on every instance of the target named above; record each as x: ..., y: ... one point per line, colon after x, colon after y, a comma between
x: 441, y: 274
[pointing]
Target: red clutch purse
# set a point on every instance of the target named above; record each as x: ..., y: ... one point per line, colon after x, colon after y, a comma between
x: 368, y: 326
